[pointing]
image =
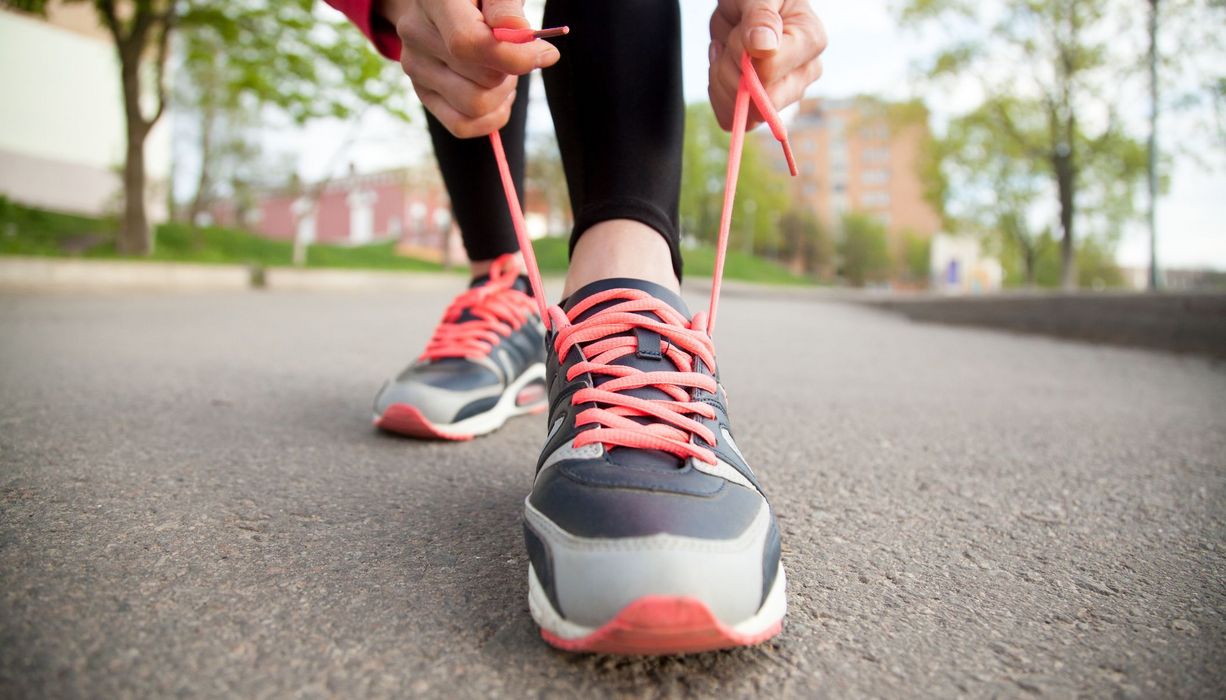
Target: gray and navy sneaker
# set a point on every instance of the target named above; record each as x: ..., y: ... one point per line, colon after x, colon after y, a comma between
x: 484, y: 364
x: 647, y: 533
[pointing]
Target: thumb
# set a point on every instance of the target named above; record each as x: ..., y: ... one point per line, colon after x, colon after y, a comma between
x: 762, y: 27
x: 505, y: 13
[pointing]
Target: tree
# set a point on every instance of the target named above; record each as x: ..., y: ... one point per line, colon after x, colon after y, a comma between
x: 262, y: 51
x: 245, y: 60
x: 916, y: 258
x: 865, y: 250
x: 762, y: 191
x: 805, y: 243
x: 1195, y: 26
x: 991, y: 186
x: 1046, y: 70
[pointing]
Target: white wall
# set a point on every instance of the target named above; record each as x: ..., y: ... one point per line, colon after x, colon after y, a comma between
x: 61, y: 122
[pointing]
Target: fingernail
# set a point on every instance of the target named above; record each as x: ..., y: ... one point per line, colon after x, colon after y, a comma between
x: 546, y: 57
x: 763, y: 39
x: 712, y: 54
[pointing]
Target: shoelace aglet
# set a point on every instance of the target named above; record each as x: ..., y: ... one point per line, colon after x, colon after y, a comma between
x: 523, y: 36
x: 766, y: 108
x: 787, y: 153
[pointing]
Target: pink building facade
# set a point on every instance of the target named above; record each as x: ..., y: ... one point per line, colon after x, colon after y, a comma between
x: 397, y: 205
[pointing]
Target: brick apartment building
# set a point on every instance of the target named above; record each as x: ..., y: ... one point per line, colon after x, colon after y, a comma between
x: 863, y: 155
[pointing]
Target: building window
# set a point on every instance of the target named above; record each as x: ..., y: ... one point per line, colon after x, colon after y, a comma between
x: 875, y: 155
x: 875, y: 177
x: 875, y: 132
x: 875, y: 199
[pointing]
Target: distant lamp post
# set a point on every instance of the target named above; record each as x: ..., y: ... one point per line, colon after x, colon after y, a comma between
x: 1153, y: 146
x: 303, y: 210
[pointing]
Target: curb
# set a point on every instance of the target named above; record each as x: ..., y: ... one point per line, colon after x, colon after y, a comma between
x: 36, y: 274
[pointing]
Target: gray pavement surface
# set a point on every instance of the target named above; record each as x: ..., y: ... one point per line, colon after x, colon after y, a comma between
x: 193, y: 503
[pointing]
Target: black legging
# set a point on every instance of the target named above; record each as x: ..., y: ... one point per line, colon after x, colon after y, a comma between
x: 618, y: 111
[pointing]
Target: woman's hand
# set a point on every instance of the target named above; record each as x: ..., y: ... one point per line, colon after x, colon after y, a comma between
x: 461, y: 73
x: 785, y: 39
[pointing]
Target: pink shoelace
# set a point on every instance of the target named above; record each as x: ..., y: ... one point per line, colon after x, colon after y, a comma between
x: 495, y: 310
x: 608, y: 334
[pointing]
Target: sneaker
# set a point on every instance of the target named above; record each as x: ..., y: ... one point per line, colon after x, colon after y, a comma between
x: 483, y: 365
x: 647, y: 532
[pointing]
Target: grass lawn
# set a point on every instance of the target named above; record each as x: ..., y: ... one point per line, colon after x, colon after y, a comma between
x: 27, y: 231
x: 699, y: 263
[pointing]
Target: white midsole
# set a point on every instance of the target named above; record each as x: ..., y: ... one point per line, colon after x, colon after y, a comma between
x: 491, y: 420
x: 772, y: 611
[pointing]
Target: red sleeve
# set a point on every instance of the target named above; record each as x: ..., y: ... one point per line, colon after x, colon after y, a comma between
x: 380, y: 31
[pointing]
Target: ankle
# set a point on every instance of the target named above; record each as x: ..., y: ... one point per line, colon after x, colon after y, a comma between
x: 477, y: 268
x: 620, y: 248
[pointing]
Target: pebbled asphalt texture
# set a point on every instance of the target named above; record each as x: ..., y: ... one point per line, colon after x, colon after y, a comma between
x: 193, y: 503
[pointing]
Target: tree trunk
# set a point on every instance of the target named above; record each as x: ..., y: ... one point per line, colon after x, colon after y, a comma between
x: 1029, y: 256
x: 1066, y: 176
x: 134, y: 234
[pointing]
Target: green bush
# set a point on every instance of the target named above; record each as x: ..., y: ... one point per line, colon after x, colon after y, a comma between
x: 865, y: 250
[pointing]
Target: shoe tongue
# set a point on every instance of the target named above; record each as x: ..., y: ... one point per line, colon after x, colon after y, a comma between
x: 521, y: 283
x: 647, y: 359
x: 664, y: 294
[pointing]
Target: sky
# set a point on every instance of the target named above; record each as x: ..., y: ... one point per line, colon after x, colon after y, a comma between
x: 868, y: 54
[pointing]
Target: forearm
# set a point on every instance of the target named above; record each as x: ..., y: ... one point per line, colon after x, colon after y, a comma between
x: 371, y: 18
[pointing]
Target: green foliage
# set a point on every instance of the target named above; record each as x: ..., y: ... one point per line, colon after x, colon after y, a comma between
x: 552, y: 257
x: 916, y: 257
x: 238, y: 57
x: 762, y: 192
x: 1054, y: 135
x: 282, y: 54
x: 806, y: 243
x: 865, y: 250
x: 1096, y: 267
x: 28, y: 231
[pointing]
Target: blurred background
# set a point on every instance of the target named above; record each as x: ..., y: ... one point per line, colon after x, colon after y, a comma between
x: 950, y: 146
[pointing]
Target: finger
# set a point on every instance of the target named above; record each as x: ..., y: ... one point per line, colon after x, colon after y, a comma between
x: 420, y: 39
x: 762, y: 27
x: 467, y: 38
x: 460, y: 125
x: 720, y: 27
x: 721, y: 107
x: 505, y: 13
x: 789, y: 90
x: 801, y: 45
x: 723, y: 103
x: 467, y: 97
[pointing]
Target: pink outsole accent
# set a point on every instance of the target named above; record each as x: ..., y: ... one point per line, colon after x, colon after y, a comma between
x: 531, y: 394
x: 407, y: 420
x: 659, y: 625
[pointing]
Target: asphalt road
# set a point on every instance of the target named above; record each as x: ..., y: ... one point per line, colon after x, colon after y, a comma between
x: 193, y: 503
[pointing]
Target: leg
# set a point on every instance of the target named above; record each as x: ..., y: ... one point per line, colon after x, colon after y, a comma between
x: 619, y: 113
x: 472, y: 182
x: 484, y: 363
